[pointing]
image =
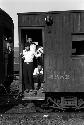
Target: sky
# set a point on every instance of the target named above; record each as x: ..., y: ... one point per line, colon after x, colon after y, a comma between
x: 12, y: 7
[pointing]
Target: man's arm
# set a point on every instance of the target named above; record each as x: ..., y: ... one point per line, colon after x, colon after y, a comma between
x: 22, y: 54
x: 37, y: 54
x: 35, y: 72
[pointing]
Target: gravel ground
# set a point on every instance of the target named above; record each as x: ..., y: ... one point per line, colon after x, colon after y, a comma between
x: 27, y: 115
x: 38, y: 119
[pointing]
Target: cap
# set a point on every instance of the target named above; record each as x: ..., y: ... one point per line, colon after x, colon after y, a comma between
x: 29, y: 39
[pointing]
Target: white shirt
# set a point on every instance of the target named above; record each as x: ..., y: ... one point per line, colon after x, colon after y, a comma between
x: 33, y: 47
x: 29, y: 55
x: 36, y: 71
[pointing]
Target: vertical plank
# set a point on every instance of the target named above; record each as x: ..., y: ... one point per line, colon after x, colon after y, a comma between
x: 77, y: 21
x: 67, y: 28
x: 82, y: 21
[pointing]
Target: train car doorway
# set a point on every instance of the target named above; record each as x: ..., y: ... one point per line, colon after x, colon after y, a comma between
x: 37, y: 35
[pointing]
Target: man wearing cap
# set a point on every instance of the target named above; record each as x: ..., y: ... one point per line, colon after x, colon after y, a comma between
x: 28, y: 56
x: 32, y: 45
x: 32, y: 48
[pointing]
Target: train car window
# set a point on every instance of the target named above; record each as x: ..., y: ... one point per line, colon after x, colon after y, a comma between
x: 78, y: 44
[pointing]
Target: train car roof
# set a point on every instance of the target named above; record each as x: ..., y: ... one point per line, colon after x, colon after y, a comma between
x: 51, y: 12
x: 5, y: 14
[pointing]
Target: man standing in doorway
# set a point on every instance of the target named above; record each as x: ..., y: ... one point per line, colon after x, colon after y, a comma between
x: 32, y: 48
x: 28, y: 56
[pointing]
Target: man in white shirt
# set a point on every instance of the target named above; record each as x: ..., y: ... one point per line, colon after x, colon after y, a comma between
x: 38, y: 76
x: 38, y: 70
x: 32, y: 48
x: 28, y: 56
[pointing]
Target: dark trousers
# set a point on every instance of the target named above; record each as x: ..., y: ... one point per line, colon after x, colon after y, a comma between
x: 28, y: 75
x: 38, y: 79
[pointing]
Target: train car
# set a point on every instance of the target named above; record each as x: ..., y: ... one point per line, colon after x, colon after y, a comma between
x: 6, y: 49
x: 61, y: 34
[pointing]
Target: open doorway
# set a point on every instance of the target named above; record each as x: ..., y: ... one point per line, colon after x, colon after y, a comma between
x: 37, y: 37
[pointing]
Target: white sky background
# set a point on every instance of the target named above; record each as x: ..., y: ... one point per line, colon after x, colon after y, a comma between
x: 12, y: 7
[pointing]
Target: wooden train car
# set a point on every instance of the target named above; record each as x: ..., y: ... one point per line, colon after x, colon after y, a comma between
x: 6, y: 49
x: 62, y: 36
x: 61, y: 33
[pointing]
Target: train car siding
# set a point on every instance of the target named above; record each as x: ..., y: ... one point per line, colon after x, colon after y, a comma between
x: 63, y: 59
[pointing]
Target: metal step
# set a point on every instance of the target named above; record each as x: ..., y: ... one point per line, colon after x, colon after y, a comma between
x: 33, y: 98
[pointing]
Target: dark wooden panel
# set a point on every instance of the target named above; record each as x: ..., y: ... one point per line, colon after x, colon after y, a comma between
x: 78, y: 73
x: 67, y: 46
x: 54, y: 57
x: 58, y: 51
x: 76, y: 22
x: 31, y: 20
x: 82, y: 22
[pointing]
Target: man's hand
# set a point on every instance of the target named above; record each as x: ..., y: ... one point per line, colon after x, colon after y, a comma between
x: 21, y: 54
x: 23, y: 57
